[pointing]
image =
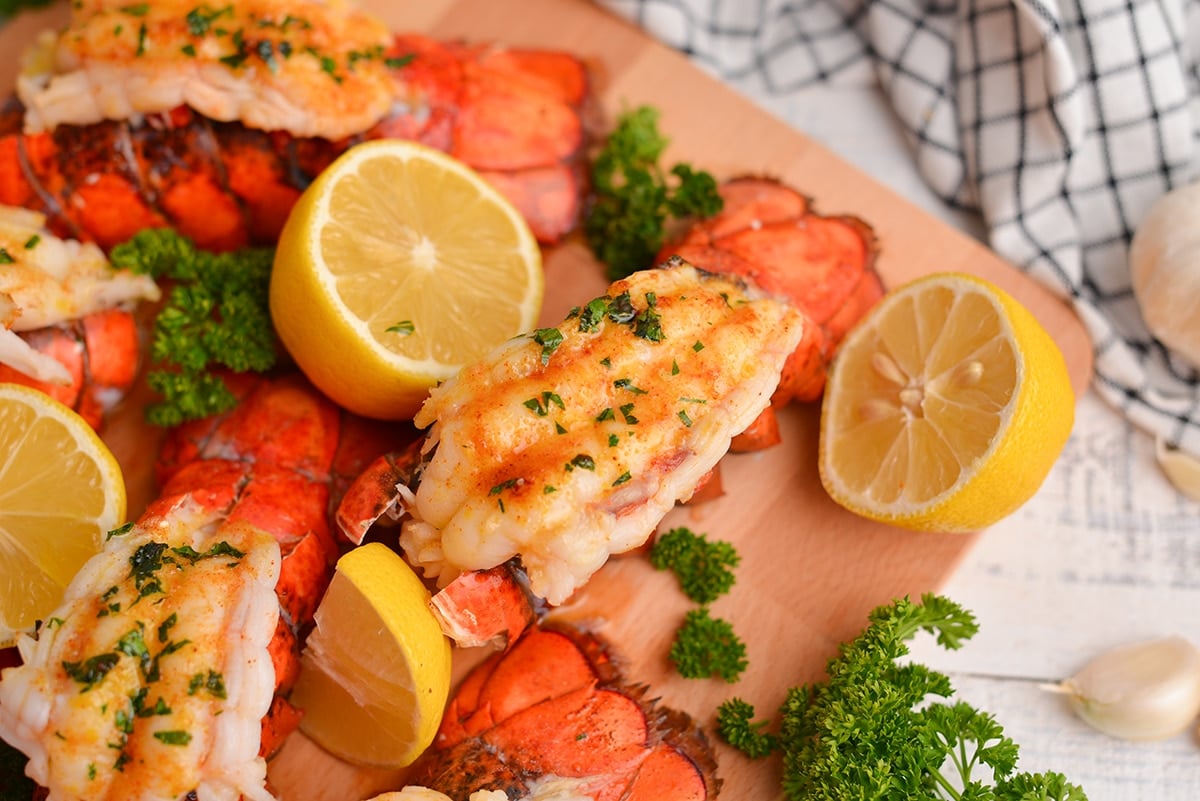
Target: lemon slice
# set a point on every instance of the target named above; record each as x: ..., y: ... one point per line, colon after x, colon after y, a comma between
x: 945, y: 409
x: 397, y: 266
x: 375, y: 673
x: 61, y: 490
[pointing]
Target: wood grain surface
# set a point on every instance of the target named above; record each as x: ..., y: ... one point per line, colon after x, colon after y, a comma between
x: 810, y: 571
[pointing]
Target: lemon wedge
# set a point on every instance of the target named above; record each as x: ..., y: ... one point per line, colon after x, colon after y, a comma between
x: 397, y: 266
x: 61, y: 490
x: 375, y: 673
x: 945, y: 409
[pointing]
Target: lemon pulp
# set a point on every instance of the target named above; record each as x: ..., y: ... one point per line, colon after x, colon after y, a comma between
x: 375, y: 672
x: 945, y: 409
x: 398, y: 265
x: 61, y: 490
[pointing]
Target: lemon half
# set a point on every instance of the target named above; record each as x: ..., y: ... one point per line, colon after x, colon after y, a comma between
x: 375, y: 673
x: 945, y: 408
x: 61, y: 490
x: 397, y: 266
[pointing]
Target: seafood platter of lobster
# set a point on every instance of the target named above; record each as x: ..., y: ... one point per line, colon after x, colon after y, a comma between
x: 213, y: 121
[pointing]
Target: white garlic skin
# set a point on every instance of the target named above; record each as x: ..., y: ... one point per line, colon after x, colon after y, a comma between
x: 1181, y: 469
x: 1144, y: 691
x: 1164, y: 265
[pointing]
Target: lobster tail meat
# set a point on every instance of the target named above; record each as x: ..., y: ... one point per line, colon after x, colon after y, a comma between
x: 555, y: 711
x: 308, y: 67
x: 226, y: 180
x: 152, y: 677
x: 769, y: 233
x: 571, y: 444
x: 218, y: 580
x: 66, y: 321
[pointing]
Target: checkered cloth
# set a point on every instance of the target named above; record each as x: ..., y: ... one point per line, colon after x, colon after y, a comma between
x: 1058, y: 121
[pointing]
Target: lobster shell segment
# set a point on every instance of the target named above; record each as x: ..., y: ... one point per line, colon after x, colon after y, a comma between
x: 768, y: 232
x: 555, y: 707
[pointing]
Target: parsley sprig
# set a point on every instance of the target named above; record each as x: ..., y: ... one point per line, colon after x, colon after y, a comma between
x: 634, y: 198
x: 870, y: 731
x: 704, y: 568
x: 216, y: 315
x: 704, y: 645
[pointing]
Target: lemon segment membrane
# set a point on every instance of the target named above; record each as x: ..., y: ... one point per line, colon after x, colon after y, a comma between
x: 946, y: 407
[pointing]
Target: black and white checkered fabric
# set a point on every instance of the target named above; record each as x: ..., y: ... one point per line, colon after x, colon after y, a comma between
x: 1059, y: 121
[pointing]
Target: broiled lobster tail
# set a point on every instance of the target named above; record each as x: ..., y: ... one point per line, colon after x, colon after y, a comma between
x: 280, y: 460
x: 556, y: 707
x: 513, y: 115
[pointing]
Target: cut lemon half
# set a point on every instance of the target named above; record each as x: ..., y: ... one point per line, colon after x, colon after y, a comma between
x: 61, y: 490
x: 945, y: 409
x: 397, y: 266
x: 375, y: 672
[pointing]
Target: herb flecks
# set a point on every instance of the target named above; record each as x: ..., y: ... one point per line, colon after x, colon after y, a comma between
x: 549, y: 339
x: 91, y: 671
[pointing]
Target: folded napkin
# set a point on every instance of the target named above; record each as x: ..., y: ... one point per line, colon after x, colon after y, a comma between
x: 1059, y: 121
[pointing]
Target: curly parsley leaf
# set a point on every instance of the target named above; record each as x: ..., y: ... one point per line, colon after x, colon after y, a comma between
x: 704, y: 568
x: 708, y: 646
x: 875, y: 729
x: 216, y: 316
x: 736, y: 726
x: 634, y: 198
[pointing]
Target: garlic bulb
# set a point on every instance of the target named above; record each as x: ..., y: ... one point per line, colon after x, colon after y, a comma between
x: 1181, y: 469
x: 1144, y: 691
x: 1164, y: 265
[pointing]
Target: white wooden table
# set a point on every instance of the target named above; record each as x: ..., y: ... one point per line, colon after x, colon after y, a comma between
x: 1106, y: 553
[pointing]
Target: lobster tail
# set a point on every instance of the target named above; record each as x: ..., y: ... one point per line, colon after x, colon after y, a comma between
x: 555, y: 707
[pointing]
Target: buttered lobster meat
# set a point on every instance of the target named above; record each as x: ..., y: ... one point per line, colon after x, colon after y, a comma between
x: 513, y: 115
x: 67, y: 325
x: 169, y: 664
x: 554, y: 713
x: 568, y: 445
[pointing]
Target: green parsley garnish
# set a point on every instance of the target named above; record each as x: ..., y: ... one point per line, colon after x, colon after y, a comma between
x: 119, y: 531
x: 91, y: 671
x: 634, y: 197
x: 215, y: 316
x: 213, y: 683
x: 404, y: 327
x: 704, y: 567
x: 32, y: 242
x: 870, y: 730
x: 708, y: 646
x: 176, y: 737
x: 549, y: 339
x: 6, y: 257
x: 736, y: 725
x: 582, y: 461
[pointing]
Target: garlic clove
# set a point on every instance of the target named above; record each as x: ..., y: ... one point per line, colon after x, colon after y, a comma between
x: 1144, y: 691
x: 1180, y: 468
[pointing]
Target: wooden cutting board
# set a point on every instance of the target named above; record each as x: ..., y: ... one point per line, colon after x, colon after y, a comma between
x: 810, y: 571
